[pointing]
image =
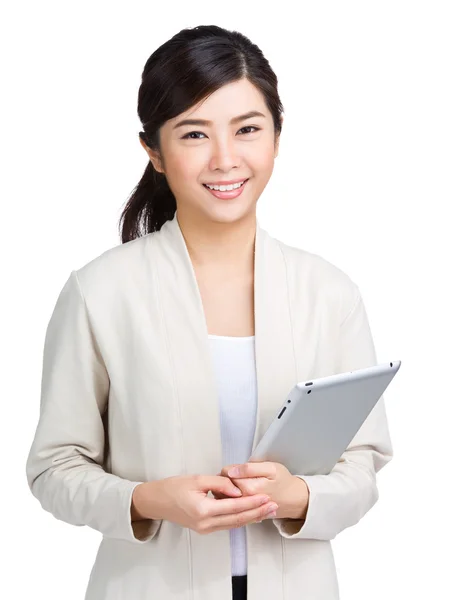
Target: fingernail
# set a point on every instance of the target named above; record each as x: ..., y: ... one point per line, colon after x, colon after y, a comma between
x: 272, y: 507
x: 272, y: 515
x: 234, y: 472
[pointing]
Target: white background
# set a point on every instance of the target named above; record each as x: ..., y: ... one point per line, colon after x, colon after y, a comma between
x: 367, y: 176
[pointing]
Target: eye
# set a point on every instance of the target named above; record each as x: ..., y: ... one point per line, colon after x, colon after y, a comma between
x: 251, y: 127
x: 187, y: 135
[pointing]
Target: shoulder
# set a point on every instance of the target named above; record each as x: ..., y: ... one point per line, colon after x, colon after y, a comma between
x: 115, y: 268
x: 319, y: 277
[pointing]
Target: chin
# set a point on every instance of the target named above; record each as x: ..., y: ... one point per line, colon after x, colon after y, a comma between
x: 220, y: 211
x: 229, y: 214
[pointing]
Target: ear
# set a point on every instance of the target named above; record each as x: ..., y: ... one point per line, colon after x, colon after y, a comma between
x: 277, y: 141
x: 154, y: 156
x: 277, y: 144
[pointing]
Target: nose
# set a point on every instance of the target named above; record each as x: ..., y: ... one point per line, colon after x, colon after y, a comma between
x: 225, y: 155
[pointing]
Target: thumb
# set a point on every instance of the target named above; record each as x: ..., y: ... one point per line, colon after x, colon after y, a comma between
x: 218, y: 495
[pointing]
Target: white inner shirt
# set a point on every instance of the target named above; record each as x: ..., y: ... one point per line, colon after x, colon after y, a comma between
x: 235, y: 368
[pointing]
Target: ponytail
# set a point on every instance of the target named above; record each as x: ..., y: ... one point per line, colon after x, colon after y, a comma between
x: 150, y: 205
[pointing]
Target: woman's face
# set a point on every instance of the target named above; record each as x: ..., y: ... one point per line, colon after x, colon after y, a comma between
x: 218, y: 151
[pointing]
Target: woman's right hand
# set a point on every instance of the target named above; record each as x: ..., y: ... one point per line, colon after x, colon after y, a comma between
x: 184, y: 500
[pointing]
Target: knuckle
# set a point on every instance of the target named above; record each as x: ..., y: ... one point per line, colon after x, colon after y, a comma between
x: 234, y: 506
x: 201, y: 512
x: 201, y: 528
x: 256, y: 500
x: 196, y: 527
x: 251, y: 488
x: 239, y: 520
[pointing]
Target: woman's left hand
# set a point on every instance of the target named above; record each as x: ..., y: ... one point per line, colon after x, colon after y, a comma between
x: 288, y: 491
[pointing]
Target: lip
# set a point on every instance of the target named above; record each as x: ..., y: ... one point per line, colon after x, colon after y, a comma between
x: 228, y: 195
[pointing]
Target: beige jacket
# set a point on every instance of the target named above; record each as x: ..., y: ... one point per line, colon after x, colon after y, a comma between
x: 128, y: 396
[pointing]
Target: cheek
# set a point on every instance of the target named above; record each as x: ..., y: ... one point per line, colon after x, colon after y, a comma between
x: 262, y: 162
x: 185, y: 167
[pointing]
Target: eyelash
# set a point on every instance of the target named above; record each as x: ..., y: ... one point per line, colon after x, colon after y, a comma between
x: 186, y: 136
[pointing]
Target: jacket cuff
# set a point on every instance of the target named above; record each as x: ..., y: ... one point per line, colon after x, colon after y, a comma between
x: 300, y: 528
x: 337, y: 501
x: 137, y: 531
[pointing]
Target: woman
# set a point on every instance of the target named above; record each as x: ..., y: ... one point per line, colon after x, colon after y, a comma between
x: 167, y: 357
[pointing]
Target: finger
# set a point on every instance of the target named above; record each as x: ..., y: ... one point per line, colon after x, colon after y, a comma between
x: 235, y: 505
x: 253, y: 485
x: 251, y: 469
x: 218, y: 495
x: 255, y: 515
x: 225, y: 470
x: 217, y: 483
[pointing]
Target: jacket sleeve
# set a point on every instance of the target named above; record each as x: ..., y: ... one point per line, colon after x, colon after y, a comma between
x: 64, y: 466
x: 341, y: 498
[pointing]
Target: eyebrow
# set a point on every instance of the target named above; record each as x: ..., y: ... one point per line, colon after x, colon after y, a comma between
x: 204, y: 123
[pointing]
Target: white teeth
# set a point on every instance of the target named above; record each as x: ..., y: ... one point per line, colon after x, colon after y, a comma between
x: 224, y: 188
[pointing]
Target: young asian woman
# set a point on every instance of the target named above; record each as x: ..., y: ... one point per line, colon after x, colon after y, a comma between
x: 167, y: 356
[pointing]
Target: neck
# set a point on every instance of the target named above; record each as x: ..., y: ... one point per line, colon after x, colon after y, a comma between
x: 220, y: 245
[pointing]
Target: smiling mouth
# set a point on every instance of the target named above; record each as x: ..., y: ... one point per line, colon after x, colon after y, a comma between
x: 230, y: 190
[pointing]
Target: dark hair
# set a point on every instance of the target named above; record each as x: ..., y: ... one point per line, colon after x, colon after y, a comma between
x: 186, y: 69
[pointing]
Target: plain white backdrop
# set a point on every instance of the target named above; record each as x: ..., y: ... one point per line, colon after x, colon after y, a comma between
x: 367, y: 176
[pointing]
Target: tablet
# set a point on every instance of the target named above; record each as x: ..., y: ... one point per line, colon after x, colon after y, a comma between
x: 320, y: 418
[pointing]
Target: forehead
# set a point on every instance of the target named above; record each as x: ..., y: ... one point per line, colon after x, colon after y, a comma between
x: 229, y: 101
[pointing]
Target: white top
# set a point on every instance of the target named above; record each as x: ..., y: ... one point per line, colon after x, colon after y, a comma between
x: 234, y: 363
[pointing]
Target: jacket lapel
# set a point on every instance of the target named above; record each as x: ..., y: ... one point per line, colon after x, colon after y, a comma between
x: 187, y: 336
